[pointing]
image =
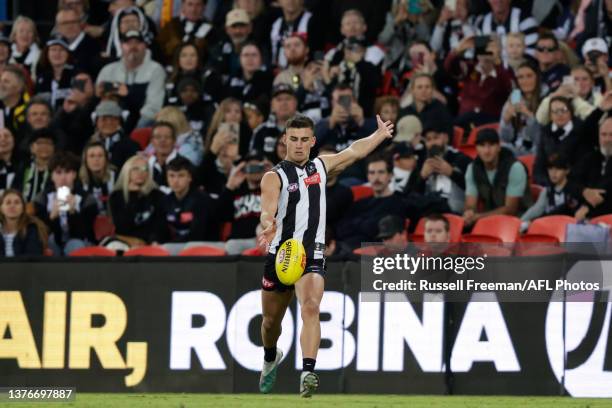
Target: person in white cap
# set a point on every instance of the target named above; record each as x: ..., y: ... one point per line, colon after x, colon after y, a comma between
x: 225, y: 56
x: 595, y: 54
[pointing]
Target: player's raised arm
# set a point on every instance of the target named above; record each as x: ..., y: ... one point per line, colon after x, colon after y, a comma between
x: 270, y: 191
x: 359, y: 149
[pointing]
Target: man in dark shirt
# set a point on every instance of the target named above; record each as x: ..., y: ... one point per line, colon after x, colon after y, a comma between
x: 110, y: 133
x: 547, y: 50
x: 189, y: 212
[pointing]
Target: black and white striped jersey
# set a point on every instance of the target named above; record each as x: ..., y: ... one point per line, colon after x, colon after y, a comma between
x: 301, y: 206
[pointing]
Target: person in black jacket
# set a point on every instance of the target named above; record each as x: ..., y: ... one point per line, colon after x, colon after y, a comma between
x: 189, y: 212
x: 67, y: 210
x: 136, y: 205
x: 7, y: 159
x: 110, y: 133
x: 55, y: 72
x: 20, y: 233
x: 254, y: 81
x: 240, y: 202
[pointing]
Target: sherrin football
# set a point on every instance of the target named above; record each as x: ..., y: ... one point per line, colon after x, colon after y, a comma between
x: 290, y: 261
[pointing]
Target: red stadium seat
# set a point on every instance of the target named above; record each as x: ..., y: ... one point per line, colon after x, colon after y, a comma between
x: 47, y: 252
x: 142, y: 136
x: 369, y: 250
x: 481, y: 239
x: 150, y: 250
x: 203, y: 251
x: 103, y: 227
x: 537, y: 239
x: 536, y: 189
x: 93, y: 251
x: 253, y: 252
x: 528, y: 161
x: 553, y: 225
x: 458, y: 133
x: 504, y: 227
x: 469, y: 151
x: 471, y: 140
x: 361, y: 192
x: 603, y: 219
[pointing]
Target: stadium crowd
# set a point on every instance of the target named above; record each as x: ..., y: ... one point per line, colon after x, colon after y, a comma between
x: 157, y: 126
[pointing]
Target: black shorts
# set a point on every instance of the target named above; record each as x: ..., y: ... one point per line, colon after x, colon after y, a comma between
x: 270, y: 281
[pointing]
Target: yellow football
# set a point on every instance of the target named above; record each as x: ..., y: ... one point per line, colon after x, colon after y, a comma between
x: 290, y: 261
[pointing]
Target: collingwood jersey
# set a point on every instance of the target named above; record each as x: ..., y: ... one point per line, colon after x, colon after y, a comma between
x: 301, y: 206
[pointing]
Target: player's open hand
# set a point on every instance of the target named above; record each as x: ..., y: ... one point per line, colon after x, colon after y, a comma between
x: 384, y: 128
x: 267, y: 235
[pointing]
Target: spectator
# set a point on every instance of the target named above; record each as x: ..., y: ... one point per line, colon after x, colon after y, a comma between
x: 518, y: 127
x: 7, y: 159
x: 392, y: 233
x: 13, y: 99
x: 110, y: 133
x: 559, y: 197
x: 294, y: 18
x: 25, y: 50
x: 562, y: 136
x: 254, y: 81
x: 405, y: 172
x: 295, y: 49
x: 5, y: 52
x: 126, y: 17
x: 424, y: 106
x: 218, y: 162
x: 188, y: 141
x: 225, y: 56
x: 339, y: 197
x: 74, y: 117
x: 346, y: 124
x: 190, y: 213
x: 585, y: 85
x: 54, y: 72
x: 253, y: 114
x: 437, y: 229
x: 190, y: 26
x: 198, y: 109
x: 451, y: 28
x: 228, y: 121
x: 136, y: 79
x: 163, y: 141
x: 240, y: 202
x: 33, y: 177
x: 97, y: 175
x: 20, y: 233
x: 547, y: 54
x: 353, y: 25
x: 136, y: 205
x: 68, y: 211
x: 595, y: 53
x: 362, y: 76
x: 515, y: 51
x: 496, y: 179
x: 593, y: 176
x: 360, y: 224
x: 85, y: 49
x: 443, y: 172
x: 38, y: 116
x: 504, y: 19
x: 486, y: 83
x: 282, y: 107
x: 593, y: 20
x: 581, y: 108
x: 388, y: 108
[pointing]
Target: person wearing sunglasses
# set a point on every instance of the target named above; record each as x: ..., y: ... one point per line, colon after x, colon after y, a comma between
x: 547, y: 55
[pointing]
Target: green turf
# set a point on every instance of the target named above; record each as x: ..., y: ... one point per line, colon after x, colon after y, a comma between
x: 286, y: 401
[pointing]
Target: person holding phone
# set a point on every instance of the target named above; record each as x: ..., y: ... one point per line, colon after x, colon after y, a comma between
x: 595, y: 53
x: 240, y: 202
x: 67, y: 210
x: 452, y: 26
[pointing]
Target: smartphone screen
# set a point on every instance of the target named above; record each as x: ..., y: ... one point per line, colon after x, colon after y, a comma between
x: 515, y: 97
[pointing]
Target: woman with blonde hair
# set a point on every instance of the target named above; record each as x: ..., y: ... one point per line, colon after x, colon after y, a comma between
x: 228, y: 123
x: 97, y: 174
x: 136, y: 204
x: 20, y: 233
x: 189, y: 143
x: 24, y: 49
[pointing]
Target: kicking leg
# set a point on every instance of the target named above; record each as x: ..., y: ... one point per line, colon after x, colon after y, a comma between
x: 274, y: 305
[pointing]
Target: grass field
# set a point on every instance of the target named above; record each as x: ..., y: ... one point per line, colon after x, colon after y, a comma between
x: 285, y: 401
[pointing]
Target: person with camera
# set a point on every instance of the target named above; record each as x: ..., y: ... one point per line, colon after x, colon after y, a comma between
x: 190, y: 213
x: 486, y: 82
x: 68, y: 211
x: 443, y: 172
x: 136, y: 80
x: 240, y: 202
x: 595, y: 52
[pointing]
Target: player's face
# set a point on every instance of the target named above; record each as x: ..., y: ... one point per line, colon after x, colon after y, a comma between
x: 299, y: 142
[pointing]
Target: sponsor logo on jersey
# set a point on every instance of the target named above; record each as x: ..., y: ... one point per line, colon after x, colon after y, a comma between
x: 314, y: 179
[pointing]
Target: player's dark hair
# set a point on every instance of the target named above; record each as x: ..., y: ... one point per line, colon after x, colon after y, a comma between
x: 66, y: 161
x: 180, y: 163
x: 439, y: 217
x: 300, y: 121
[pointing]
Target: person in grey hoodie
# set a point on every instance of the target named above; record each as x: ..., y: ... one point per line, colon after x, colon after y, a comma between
x: 136, y: 80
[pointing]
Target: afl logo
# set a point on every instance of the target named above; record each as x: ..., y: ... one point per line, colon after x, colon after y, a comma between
x: 292, y: 187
